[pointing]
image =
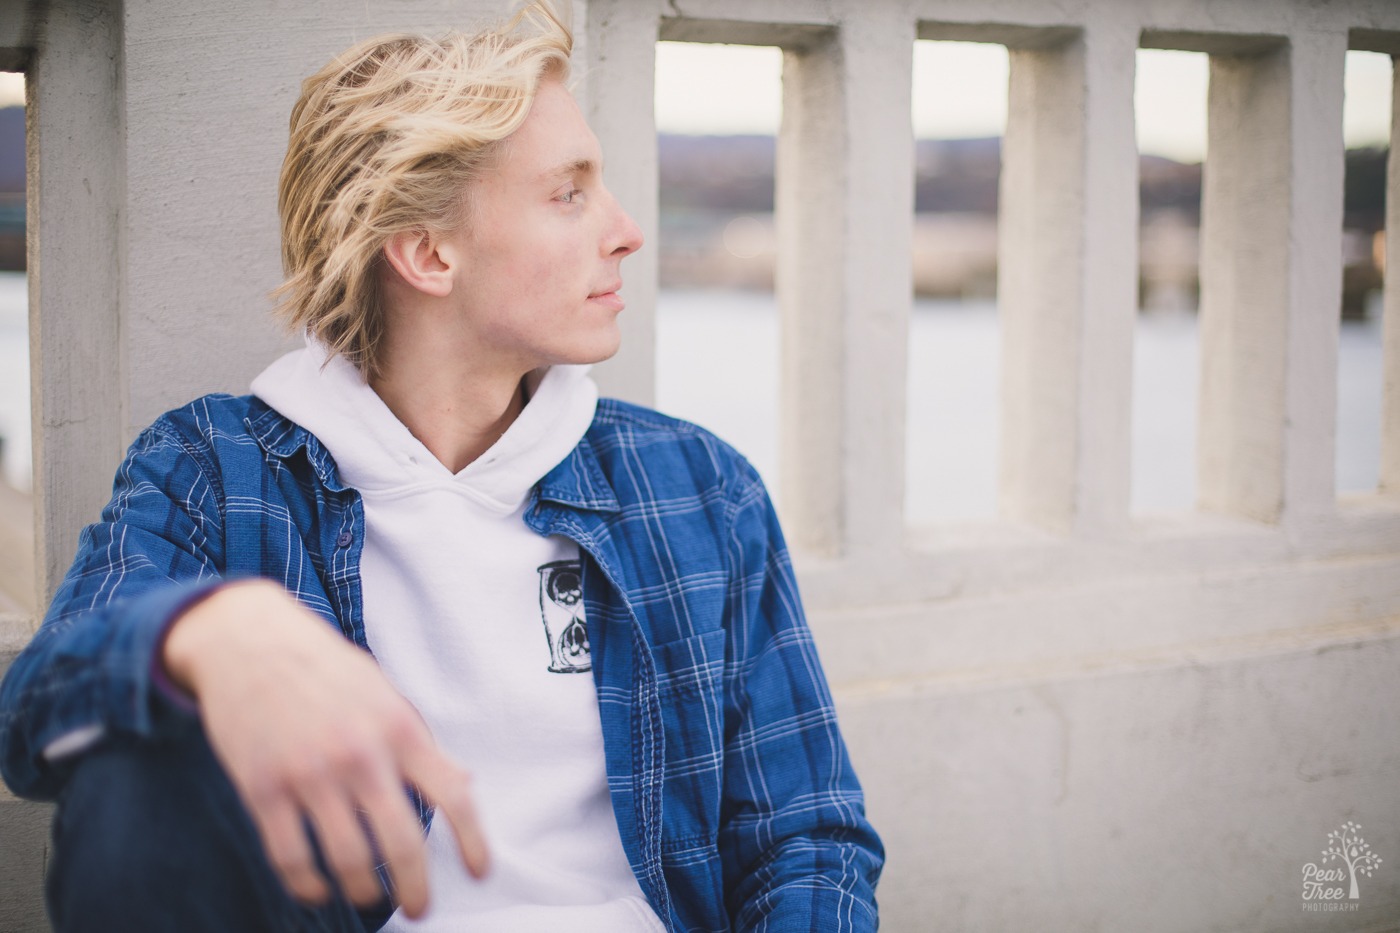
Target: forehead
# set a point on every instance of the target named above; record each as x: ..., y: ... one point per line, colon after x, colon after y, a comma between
x: 554, y: 139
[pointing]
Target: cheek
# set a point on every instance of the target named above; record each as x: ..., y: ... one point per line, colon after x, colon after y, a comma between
x: 545, y: 277
x: 527, y: 275
x: 513, y: 282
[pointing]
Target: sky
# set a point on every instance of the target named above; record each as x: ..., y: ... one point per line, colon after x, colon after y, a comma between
x: 737, y: 89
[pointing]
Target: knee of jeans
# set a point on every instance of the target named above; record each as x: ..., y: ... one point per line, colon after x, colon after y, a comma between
x: 133, y: 810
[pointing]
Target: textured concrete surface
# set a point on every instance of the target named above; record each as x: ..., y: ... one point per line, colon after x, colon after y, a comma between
x: 1148, y: 798
x: 76, y: 227
x: 1068, y: 719
x: 24, y: 840
x: 24, y: 830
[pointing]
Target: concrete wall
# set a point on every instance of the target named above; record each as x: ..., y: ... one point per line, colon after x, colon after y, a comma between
x: 1068, y: 719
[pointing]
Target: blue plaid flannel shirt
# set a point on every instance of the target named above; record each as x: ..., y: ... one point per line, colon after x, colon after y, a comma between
x: 733, y: 790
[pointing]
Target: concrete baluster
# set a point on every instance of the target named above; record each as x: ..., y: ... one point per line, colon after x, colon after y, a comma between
x: 844, y: 193
x: 1270, y: 279
x: 1067, y: 280
x: 76, y: 205
x: 617, y: 82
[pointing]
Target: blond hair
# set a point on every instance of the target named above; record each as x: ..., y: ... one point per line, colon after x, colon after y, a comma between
x: 386, y: 138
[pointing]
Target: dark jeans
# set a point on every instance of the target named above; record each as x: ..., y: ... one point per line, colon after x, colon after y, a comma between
x: 153, y: 838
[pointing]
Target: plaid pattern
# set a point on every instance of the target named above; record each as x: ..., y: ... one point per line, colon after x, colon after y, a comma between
x: 733, y: 791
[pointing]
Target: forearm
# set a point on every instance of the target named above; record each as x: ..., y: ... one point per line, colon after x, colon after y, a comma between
x: 810, y: 861
x: 157, y: 548
x: 798, y: 850
x: 87, y: 673
x: 810, y: 885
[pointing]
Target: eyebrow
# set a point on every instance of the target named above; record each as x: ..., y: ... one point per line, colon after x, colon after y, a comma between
x: 576, y: 167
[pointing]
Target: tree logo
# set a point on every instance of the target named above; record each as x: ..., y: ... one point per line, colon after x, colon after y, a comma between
x: 1344, y: 847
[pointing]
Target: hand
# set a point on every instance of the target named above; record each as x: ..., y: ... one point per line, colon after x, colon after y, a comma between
x: 305, y: 723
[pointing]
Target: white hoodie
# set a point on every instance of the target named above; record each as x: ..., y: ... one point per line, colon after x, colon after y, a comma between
x: 478, y: 621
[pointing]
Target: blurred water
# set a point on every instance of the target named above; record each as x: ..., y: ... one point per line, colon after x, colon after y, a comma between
x: 717, y: 365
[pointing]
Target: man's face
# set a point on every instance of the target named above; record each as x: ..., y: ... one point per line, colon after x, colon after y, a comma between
x: 543, y: 244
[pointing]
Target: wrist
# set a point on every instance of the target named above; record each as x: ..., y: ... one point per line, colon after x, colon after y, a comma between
x: 193, y: 635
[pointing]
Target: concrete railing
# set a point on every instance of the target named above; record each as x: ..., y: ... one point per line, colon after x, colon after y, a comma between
x: 1070, y: 718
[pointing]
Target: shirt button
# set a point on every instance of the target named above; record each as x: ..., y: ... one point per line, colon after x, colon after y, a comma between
x: 345, y: 538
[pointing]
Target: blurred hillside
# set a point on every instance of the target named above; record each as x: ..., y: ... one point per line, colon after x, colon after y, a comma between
x: 716, y: 198
x: 717, y: 204
x: 735, y: 174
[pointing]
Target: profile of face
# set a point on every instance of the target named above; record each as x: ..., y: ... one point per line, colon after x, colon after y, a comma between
x: 542, y: 248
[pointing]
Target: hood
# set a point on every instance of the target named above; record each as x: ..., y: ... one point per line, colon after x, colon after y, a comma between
x: 377, y: 454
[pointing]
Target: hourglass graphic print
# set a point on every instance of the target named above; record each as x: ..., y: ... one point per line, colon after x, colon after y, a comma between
x: 561, y: 607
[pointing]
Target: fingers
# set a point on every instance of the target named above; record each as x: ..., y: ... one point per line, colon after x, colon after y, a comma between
x: 354, y: 744
x: 344, y: 847
x: 400, y: 838
x: 448, y: 786
x: 395, y: 827
x: 288, y: 850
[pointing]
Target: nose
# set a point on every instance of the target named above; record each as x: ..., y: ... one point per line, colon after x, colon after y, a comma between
x: 624, y: 236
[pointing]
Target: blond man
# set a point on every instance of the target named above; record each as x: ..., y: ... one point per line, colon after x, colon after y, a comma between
x: 421, y: 634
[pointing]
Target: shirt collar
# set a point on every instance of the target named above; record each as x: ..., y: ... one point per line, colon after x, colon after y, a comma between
x: 578, y: 481
x: 282, y: 438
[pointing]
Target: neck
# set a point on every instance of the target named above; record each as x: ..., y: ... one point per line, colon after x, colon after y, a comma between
x: 456, y: 409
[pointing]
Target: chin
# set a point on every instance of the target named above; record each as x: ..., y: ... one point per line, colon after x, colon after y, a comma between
x: 609, y: 353
x: 604, y: 347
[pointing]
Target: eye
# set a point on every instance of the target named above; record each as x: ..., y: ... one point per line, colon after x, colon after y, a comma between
x: 570, y: 196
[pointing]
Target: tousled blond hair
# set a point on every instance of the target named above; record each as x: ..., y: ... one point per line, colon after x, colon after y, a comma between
x: 386, y: 138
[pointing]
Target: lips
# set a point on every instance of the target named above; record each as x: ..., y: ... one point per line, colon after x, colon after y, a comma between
x: 611, y: 300
x: 608, y: 297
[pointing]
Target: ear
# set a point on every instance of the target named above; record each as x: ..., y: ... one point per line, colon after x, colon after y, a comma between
x: 421, y: 260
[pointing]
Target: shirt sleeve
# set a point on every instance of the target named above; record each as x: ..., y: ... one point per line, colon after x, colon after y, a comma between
x: 797, y: 850
x: 87, y: 673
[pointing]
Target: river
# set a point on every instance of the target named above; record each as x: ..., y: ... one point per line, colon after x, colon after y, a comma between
x: 717, y: 354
